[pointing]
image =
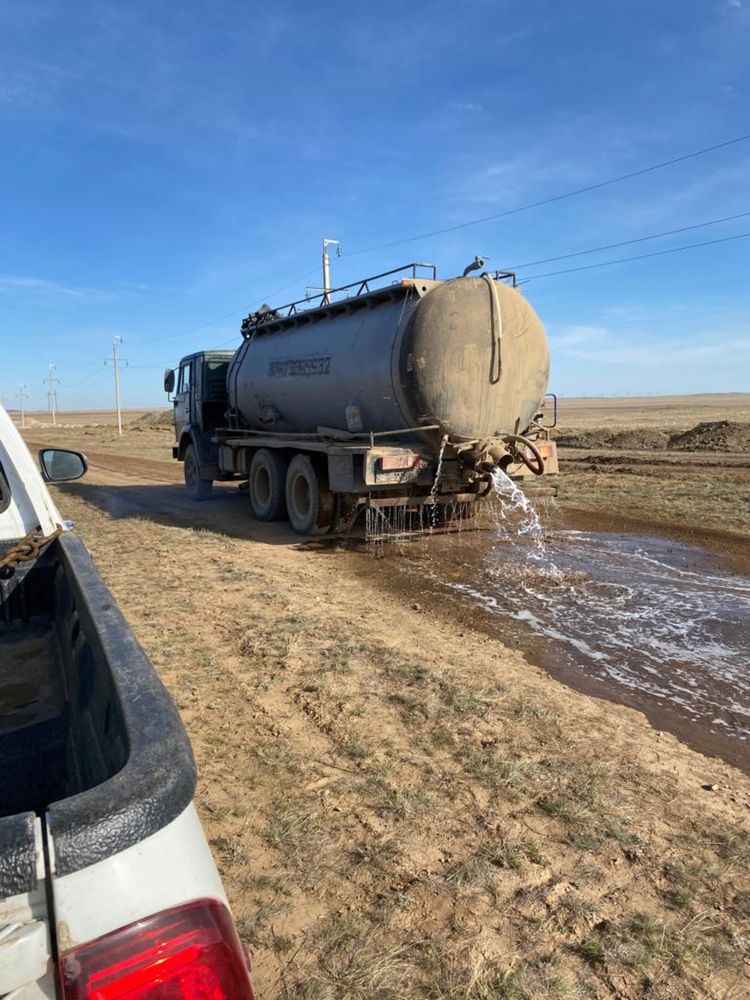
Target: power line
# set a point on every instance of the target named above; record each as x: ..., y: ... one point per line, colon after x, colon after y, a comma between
x: 88, y: 373
x: 642, y: 256
x: 475, y: 222
x: 577, y: 253
x: 626, y: 243
x: 93, y: 377
x: 235, y: 312
x: 555, y: 198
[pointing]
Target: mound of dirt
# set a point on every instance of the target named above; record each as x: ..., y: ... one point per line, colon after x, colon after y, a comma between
x: 638, y: 439
x: 714, y: 435
x: 153, y: 419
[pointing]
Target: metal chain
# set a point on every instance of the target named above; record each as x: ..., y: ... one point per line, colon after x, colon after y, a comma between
x: 26, y: 549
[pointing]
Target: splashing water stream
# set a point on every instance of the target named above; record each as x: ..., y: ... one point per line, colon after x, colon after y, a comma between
x: 436, y: 483
x: 514, y: 500
x: 647, y: 621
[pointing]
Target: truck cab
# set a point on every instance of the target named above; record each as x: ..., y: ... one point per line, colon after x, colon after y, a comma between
x: 199, y: 384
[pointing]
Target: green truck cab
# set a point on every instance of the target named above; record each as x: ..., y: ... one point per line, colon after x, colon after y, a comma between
x: 199, y: 385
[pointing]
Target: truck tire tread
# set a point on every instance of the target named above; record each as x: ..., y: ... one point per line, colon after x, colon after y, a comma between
x: 267, y: 485
x: 197, y: 487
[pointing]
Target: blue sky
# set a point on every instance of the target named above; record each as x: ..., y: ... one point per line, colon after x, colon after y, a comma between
x: 164, y: 166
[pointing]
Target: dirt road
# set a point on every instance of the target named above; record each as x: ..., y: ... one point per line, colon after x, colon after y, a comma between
x: 400, y: 807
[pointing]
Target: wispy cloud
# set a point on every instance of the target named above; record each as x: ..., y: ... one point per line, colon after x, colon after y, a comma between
x: 602, y: 345
x: 470, y: 107
x: 573, y: 335
x: 648, y: 354
x: 42, y: 287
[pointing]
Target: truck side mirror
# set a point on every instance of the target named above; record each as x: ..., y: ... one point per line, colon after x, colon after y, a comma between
x: 59, y: 465
x: 169, y: 380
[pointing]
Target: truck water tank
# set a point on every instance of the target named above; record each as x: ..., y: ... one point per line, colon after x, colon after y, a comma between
x: 469, y: 354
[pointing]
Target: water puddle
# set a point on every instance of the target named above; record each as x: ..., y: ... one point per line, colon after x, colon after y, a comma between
x: 644, y: 621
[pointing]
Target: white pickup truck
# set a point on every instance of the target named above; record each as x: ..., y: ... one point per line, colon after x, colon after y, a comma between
x: 107, y: 886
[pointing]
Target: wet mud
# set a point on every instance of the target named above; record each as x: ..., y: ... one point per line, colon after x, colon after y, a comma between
x: 653, y: 623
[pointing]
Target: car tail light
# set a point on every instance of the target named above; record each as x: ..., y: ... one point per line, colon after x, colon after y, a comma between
x: 192, y: 951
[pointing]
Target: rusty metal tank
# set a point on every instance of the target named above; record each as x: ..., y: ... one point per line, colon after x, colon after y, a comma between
x: 468, y: 354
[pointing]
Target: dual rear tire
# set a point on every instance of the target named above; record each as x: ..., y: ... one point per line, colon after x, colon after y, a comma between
x: 280, y: 488
x: 267, y: 485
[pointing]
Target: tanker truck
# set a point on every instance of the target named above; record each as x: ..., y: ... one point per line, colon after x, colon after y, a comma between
x: 396, y: 391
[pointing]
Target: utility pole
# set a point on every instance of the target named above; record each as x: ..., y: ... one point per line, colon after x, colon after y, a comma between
x: 22, y: 395
x: 51, y: 380
x: 116, y: 341
x: 327, y: 265
x: 116, y: 361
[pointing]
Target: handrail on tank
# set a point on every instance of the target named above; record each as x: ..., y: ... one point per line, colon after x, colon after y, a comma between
x: 323, y: 298
x: 506, y: 276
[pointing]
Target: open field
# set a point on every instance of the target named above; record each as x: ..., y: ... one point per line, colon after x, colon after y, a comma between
x: 614, y: 454
x: 85, y: 418
x: 629, y: 459
x: 401, y: 807
x: 672, y: 412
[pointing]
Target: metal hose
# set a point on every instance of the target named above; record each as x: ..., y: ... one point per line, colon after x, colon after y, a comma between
x: 496, y: 329
x: 538, y: 467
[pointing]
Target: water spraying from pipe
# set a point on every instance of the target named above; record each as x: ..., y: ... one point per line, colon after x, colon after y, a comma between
x: 514, y: 500
x: 436, y: 482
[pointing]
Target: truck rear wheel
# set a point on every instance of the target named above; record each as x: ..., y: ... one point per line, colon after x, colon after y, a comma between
x: 197, y: 488
x: 309, y: 502
x: 268, y: 485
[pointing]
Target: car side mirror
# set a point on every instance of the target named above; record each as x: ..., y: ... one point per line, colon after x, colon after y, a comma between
x: 169, y: 380
x: 59, y: 465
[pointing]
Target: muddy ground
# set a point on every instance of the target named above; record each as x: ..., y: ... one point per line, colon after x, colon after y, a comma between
x: 401, y: 807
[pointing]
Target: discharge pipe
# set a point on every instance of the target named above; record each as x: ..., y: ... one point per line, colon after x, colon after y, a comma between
x: 512, y: 446
x: 475, y: 265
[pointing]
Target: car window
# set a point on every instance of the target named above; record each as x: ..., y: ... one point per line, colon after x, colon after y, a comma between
x: 184, y: 379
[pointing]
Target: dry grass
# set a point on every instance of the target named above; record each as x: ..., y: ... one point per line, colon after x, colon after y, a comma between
x: 659, y: 412
x: 638, y: 477
x: 398, y: 811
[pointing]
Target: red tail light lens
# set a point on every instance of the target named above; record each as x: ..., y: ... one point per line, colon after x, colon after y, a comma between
x: 192, y: 952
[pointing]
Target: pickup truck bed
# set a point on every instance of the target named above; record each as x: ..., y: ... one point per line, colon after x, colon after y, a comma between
x: 33, y: 719
x: 100, y: 752
x: 107, y: 884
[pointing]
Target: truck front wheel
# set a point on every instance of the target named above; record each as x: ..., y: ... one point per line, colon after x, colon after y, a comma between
x: 197, y: 488
x: 308, y: 500
x: 267, y: 485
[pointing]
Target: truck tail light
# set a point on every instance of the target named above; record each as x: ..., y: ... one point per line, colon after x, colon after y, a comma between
x: 192, y: 951
x: 391, y: 463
